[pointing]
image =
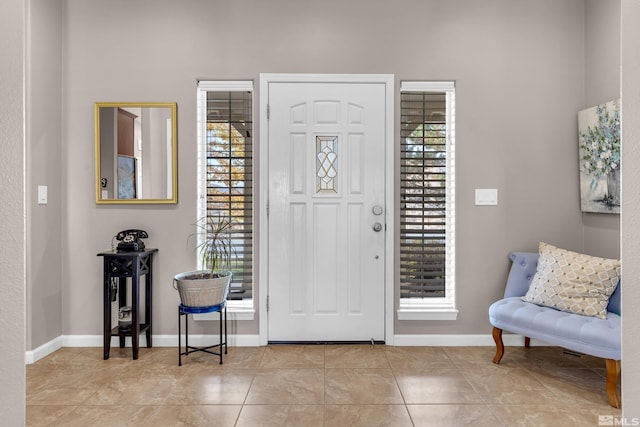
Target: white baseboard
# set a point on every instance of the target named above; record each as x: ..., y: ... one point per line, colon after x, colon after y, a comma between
x: 44, y: 350
x: 159, y: 340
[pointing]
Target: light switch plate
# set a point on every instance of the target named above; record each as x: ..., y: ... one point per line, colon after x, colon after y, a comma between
x: 42, y: 194
x: 486, y: 196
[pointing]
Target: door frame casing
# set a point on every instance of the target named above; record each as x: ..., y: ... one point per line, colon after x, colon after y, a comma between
x: 263, y: 234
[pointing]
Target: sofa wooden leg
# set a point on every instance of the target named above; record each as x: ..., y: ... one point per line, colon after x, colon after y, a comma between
x: 497, y: 337
x: 613, y: 376
x: 527, y: 342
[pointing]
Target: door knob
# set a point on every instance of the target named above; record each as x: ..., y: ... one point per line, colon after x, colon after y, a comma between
x: 377, y: 227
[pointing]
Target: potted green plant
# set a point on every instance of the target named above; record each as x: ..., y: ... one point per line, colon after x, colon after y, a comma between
x: 210, y: 286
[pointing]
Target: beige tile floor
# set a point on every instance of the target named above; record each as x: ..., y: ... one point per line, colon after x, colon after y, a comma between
x: 318, y: 385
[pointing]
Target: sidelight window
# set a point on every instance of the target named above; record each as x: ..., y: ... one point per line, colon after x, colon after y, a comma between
x: 427, y: 190
x: 225, y: 170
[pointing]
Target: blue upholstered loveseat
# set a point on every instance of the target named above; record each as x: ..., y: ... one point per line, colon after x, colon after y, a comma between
x: 584, y: 334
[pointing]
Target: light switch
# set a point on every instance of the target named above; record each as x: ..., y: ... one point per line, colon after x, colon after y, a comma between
x: 486, y: 196
x: 42, y: 194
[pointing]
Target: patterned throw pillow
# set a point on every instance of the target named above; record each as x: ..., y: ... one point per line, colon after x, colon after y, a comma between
x: 573, y: 282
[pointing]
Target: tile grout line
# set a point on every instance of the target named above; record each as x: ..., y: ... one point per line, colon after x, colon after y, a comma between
x: 404, y: 400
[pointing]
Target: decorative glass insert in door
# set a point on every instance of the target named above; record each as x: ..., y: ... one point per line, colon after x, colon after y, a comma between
x: 326, y: 164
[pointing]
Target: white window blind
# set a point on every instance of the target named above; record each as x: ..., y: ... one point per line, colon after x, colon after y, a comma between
x: 427, y: 189
x: 226, y: 170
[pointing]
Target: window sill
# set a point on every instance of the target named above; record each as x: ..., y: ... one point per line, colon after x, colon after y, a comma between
x: 425, y: 313
x: 233, y: 313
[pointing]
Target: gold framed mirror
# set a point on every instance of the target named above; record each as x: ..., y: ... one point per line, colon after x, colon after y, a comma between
x: 136, y: 152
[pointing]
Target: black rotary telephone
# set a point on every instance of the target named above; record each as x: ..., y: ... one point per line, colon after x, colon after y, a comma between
x: 130, y: 240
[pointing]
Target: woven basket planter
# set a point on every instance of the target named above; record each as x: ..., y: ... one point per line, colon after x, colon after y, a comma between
x: 196, y: 289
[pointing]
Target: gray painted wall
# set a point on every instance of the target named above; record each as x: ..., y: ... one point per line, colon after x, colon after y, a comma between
x: 12, y: 211
x: 630, y: 207
x: 43, y: 160
x: 602, y: 84
x: 509, y: 59
x: 519, y: 71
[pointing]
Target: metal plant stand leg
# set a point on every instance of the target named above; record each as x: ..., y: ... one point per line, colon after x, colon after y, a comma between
x: 185, y: 311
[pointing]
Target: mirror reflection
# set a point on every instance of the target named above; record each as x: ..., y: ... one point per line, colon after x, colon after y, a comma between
x: 136, y: 152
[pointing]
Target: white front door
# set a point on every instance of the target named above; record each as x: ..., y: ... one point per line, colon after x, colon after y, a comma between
x: 326, y: 211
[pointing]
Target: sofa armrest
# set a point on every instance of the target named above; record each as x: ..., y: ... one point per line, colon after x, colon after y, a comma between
x: 521, y: 274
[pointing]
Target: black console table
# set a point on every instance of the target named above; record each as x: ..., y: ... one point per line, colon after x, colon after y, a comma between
x: 120, y: 266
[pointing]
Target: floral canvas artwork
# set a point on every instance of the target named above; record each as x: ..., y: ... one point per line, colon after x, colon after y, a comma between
x: 599, y: 151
